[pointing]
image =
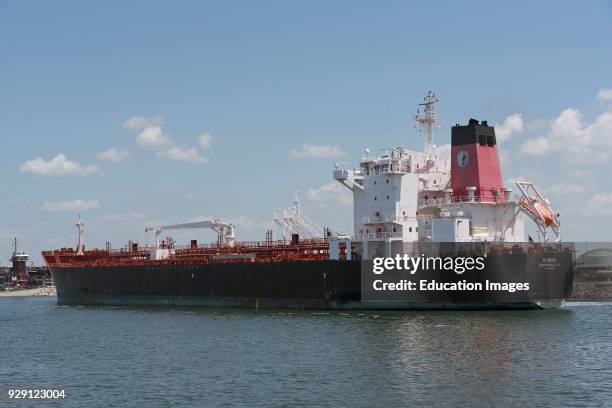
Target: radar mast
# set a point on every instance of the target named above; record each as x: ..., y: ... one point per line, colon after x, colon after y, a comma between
x: 426, y: 118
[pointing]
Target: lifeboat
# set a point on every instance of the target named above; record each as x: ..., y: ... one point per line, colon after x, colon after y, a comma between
x: 539, y: 210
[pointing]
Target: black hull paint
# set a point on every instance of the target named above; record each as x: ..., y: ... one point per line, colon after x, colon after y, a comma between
x: 290, y: 285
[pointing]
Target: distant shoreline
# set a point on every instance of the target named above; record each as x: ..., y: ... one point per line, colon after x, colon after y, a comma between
x: 47, y: 291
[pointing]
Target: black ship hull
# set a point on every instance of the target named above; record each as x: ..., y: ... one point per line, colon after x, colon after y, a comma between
x: 291, y: 285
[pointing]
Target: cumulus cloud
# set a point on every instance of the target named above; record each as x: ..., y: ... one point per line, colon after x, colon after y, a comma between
x: 186, y: 154
x: 579, y: 142
x: 512, y: 125
x: 330, y: 194
x: 604, y: 95
x: 570, y: 188
x: 536, y: 124
x: 316, y: 151
x: 141, y: 122
x: 132, y: 216
x: 205, y: 140
x: 113, y: 155
x: 57, y: 166
x: 537, y: 147
x: 151, y: 135
x: 73, y: 205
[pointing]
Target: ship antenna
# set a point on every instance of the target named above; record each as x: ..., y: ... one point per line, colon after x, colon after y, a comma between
x: 426, y: 119
x: 80, y: 226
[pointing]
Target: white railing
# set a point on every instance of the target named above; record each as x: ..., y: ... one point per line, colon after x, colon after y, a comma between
x: 393, y: 218
x: 380, y: 235
x: 465, y: 199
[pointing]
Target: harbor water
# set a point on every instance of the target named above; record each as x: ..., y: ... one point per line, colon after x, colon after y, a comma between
x: 160, y: 357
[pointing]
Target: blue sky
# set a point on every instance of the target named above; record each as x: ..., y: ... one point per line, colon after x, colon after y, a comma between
x: 263, y: 79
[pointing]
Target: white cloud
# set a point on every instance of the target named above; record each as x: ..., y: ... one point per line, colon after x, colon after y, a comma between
x: 332, y: 206
x: 582, y: 173
x: 578, y: 142
x: 330, y: 194
x: 536, y: 124
x: 512, y: 125
x: 205, y: 140
x: 133, y: 216
x: 537, y: 147
x: 113, y: 155
x: 73, y: 205
x: 57, y: 166
x: 141, y: 122
x: 604, y: 95
x: 575, y: 189
x: 599, y: 205
x: 316, y: 151
x: 152, y: 136
x: 187, y: 154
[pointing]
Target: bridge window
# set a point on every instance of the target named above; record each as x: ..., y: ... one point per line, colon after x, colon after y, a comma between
x: 409, y: 229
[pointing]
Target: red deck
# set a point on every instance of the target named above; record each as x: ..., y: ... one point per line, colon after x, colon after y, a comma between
x: 272, y: 251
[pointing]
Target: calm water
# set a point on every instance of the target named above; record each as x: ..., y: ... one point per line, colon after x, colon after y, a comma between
x: 161, y: 357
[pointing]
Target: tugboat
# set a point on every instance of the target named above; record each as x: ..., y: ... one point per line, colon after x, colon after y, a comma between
x: 22, y: 275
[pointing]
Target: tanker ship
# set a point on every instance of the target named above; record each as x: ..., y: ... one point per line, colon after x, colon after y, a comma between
x: 439, y: 202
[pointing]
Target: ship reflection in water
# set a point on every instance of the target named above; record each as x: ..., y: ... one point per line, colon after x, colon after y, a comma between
x: 133, y: 356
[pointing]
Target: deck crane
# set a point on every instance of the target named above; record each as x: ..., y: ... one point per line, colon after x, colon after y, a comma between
x: 225, y: 231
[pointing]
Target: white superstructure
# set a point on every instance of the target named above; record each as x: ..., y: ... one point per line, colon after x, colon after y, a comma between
x: 404, y: 196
